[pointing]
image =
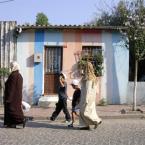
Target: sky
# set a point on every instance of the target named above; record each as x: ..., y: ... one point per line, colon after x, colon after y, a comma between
x: 64, y: 12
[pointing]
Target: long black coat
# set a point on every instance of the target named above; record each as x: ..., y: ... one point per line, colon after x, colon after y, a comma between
x: 13, y: 113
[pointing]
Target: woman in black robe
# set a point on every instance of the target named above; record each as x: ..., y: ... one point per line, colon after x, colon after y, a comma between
x: 13, y: 113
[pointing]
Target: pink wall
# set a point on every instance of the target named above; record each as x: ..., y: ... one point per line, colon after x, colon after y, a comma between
x: 68, y: 57
x: 73, y: 42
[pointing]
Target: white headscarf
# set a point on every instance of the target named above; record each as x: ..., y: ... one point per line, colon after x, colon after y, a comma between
x: 14, y: 66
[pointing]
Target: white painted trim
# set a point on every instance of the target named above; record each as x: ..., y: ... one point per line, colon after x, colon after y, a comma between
x: 43, y: 59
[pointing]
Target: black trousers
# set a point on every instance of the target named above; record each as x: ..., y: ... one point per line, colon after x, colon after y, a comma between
x: 61, y: 105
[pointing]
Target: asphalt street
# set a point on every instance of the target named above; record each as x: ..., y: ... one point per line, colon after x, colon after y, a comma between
x: 110, y: 132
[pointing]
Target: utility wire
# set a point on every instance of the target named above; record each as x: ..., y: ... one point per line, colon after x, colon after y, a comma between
x: 5, y: 1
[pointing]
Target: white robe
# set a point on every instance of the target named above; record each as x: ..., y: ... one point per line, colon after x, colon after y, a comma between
x: 88, y: 114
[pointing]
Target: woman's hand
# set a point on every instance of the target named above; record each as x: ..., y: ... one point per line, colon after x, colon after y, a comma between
x: 61, y: 80
x: 60, y: 77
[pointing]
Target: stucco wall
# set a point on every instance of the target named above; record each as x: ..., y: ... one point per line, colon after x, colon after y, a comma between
x: 69, y: 62
x: 116, y: 65
x: 140, y: 96
x: 107, y: 79
x: 120, y: 69
x: 25, y: 57
x: 112, y: 85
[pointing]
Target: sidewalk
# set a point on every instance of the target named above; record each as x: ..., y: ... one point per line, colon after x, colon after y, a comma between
x: 105, y: 112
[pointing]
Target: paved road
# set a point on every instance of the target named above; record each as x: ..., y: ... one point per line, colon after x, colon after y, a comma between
x: 110, y: 132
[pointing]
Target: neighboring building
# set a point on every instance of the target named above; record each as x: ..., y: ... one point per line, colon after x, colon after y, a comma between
x: 7, y: 42
x: 7, y: 48
x: 44, y: 51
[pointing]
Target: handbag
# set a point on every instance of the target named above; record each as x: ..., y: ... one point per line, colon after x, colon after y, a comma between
x: 26, y: 107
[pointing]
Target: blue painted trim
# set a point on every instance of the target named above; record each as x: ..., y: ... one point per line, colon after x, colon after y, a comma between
x: 38, y: 67
x: 53, y: 38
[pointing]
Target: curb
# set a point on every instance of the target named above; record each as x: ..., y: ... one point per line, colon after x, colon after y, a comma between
x: 124, y: 116
x: 103, y: 117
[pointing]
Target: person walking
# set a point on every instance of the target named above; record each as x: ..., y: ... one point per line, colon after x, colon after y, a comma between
x: 88, y: 115
x: 62, y: 99
x: 13, y: 113
x: 75, y: 101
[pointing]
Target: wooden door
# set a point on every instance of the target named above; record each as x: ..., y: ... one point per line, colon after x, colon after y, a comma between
x: 53, y: 66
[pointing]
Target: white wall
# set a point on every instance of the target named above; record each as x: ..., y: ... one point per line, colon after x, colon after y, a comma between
x: 140, y: 93
x: 25, y: 57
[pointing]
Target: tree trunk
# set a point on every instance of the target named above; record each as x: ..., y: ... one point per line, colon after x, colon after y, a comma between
x: 135, y: 85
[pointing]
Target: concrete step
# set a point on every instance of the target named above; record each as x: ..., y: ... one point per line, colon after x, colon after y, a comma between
x: 49, y: 101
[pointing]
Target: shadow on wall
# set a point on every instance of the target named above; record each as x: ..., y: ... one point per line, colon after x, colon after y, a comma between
x: 31, y: 95
x: 112, y: 87
x: 75, y: 72
x: 36, y: 96
x: 30, y: 61
x: 28, y: 94
x: 116, y: 96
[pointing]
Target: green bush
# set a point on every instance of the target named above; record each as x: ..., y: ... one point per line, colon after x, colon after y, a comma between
x: 96, y: 60
x: 4, y: 72
x: 102, y: 102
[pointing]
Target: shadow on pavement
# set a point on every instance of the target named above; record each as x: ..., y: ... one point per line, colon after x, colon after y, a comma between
x: 45, y: 124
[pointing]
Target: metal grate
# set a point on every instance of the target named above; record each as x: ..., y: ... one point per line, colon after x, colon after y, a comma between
x: 91, y: 50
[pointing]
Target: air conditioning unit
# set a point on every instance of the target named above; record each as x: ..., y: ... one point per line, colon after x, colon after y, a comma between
x: 38, y: 57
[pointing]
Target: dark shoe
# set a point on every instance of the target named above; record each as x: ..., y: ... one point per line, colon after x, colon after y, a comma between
x: 100, y: 122
x: 52, y: 119
x: 70, y: 125
x: 85, y: 128
x: 97, y: 123
x: 24, y: 122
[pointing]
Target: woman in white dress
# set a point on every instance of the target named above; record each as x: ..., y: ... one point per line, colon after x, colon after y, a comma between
x: 88, y: 115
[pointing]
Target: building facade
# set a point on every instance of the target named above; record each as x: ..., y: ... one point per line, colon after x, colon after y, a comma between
x: 44, y: 51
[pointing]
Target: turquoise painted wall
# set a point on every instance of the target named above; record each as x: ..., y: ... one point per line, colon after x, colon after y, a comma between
x: 53, y: 38
x: 38, y: 67
x: 43, y: 38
